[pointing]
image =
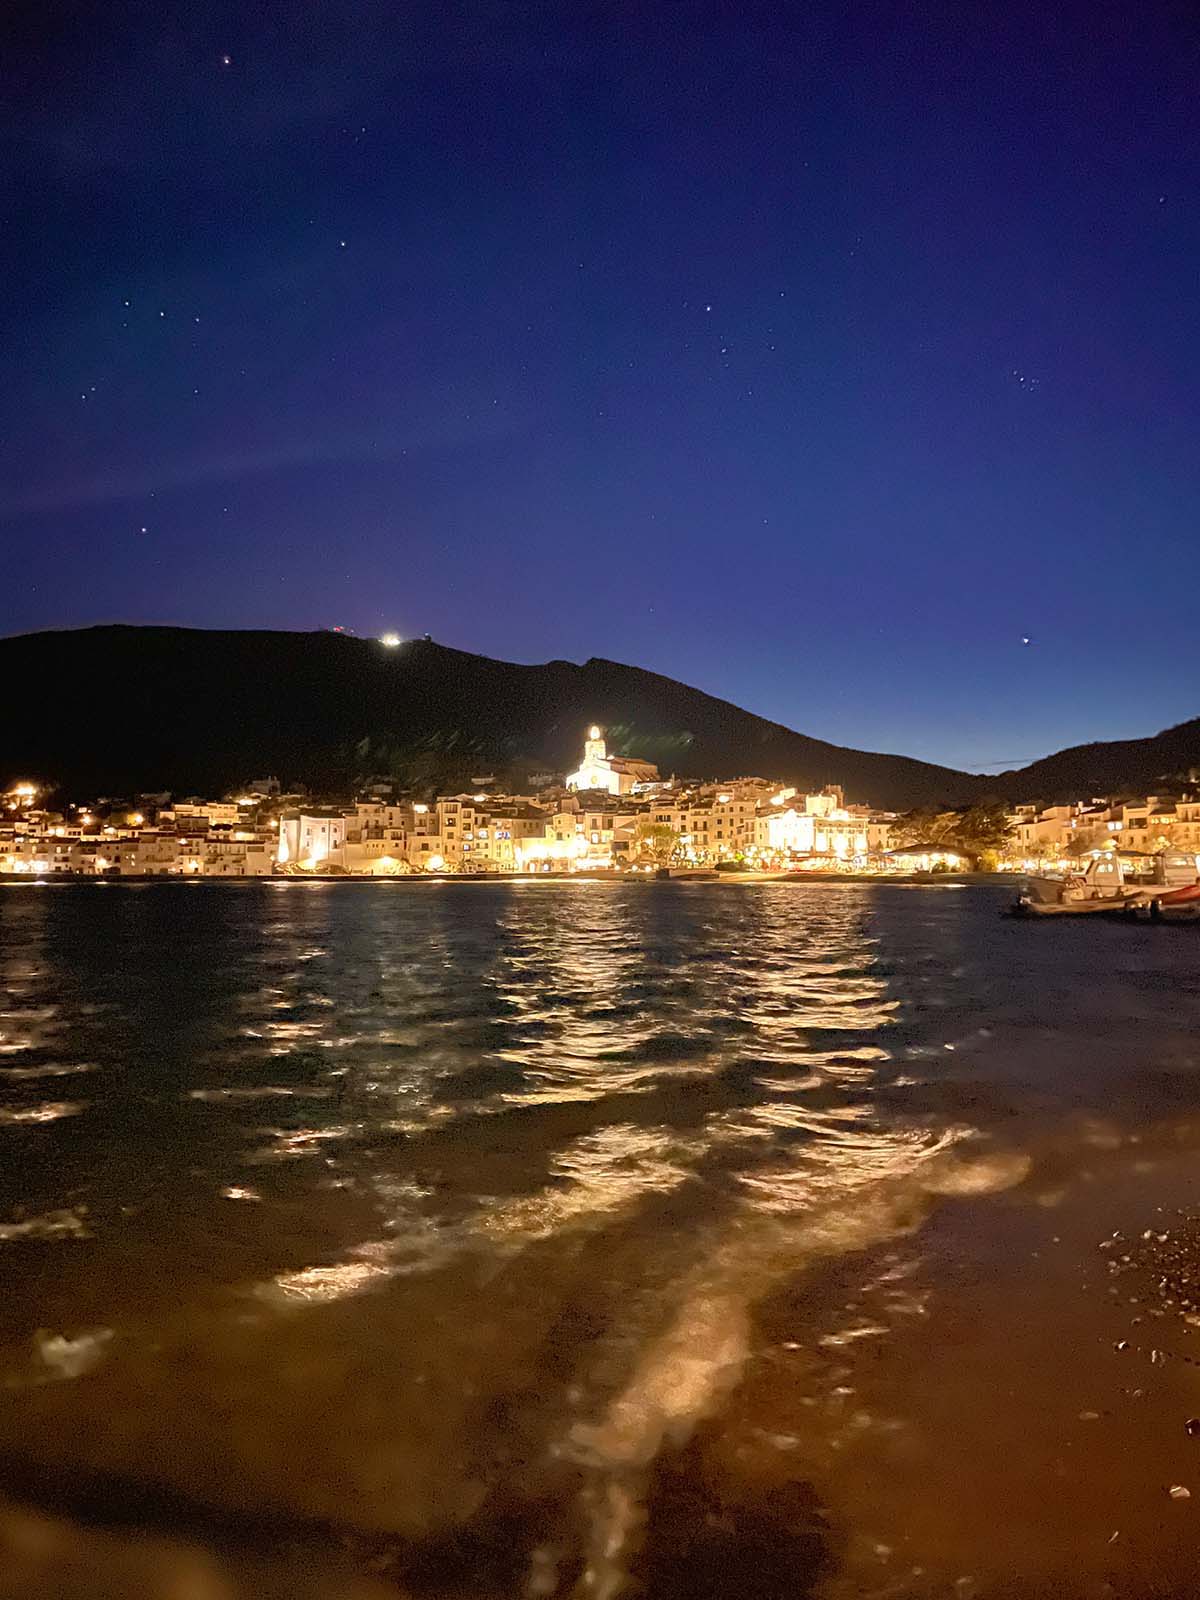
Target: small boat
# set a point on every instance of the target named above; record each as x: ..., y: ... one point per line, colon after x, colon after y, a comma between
x: 1100, y: 888
x: 1175, y: 905
x: 1104, y: 889
x: 1188, y: 895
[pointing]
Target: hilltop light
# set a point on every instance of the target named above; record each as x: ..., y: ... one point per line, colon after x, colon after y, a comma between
x: 391, y: 640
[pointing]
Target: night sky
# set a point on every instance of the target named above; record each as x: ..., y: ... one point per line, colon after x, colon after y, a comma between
x: 815, y: 355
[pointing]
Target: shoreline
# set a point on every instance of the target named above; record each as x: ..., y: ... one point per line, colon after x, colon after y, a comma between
x: 706, y: 875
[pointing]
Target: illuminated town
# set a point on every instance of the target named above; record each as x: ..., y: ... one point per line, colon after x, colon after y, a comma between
x: 611, y: 815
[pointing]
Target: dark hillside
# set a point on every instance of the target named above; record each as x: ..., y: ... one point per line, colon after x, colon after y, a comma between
x: 115, y: 710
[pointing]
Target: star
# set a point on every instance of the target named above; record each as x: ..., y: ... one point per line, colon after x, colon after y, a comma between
x: 1024, y: 639
x: 226, y: 61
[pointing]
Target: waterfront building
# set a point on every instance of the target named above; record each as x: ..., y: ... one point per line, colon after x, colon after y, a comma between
x: 1186, y: 832
x: 1068, y: 831
x: 312, y: 840
x: 509, y: 836
x: 611, y: 814
x: 579, y: 836
x: 927, y: 858
x: 235, y: 857
x: 377, y: 838
x: 1039, y: 834
x: 816, y: 826
x: 1147, y: 825
x: 721, y: 824
x: 879, y: 833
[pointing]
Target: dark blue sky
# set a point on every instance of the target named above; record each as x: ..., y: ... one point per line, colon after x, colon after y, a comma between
x: 812, y: 354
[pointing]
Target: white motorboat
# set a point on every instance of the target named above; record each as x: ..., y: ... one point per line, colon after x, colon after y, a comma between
x: 1105, y: 885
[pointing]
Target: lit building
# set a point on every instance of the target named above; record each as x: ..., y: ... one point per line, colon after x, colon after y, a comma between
x: 879, y: 833
x: 377, y: 838
x: 927, y: 858
x: 813, y: 825
x: 502, y: 833
x: 1047, y: 833
x: 578, y: 837
x: 612, y: 774
x: 20, y: 797
x: 233, y: 857
x: 215, y: 812
x: 311, y: 841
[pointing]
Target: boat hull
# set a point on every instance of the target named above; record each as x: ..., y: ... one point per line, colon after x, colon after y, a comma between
x: 1189, y: 894
x: 1110, y: 906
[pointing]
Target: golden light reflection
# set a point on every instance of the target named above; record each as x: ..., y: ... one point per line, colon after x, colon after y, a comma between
x: 50, y: 1225
x: 319, y: 1285
x: 51, y: 1111
x: 604, y: 1172
x: 293, y: 1143
x: 48, y: 1069
x: 265, y: 1091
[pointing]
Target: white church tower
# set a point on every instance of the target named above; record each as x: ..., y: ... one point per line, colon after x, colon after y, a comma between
x: 611, y: 774
x: 596, y: 771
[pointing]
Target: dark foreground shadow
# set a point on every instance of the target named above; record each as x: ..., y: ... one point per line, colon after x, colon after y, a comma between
x: 710, y: 1536
x: 68, y: 1534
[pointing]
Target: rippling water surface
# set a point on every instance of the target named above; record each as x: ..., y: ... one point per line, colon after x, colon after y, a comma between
x: 595, y: 1240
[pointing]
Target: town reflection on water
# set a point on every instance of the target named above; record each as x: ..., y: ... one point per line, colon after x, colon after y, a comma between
x: 493, y: 1237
